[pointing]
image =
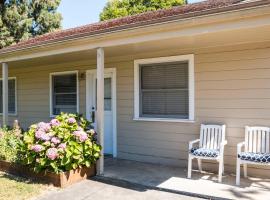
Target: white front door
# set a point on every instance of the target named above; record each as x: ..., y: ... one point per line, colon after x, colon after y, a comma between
x: 109, y: 107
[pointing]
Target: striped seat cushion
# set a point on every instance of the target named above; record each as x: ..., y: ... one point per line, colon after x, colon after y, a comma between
x: 255, y: 157
x: 204, y: 152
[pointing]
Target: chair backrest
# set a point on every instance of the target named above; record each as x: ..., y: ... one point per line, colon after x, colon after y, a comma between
x: 211, y: 136
x: 257, y: 139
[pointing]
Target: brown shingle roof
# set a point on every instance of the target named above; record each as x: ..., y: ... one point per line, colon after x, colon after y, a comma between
x: 186, y: 11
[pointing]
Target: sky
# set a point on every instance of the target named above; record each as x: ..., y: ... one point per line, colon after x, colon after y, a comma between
x: 83, y: 11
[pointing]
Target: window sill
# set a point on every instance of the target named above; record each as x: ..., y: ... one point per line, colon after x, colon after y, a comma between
x: 163, y: 120
x: 10, y: 114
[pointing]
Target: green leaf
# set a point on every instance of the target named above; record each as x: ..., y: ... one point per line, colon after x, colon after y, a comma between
x: 28, y: 139
x: 42, y: 161
x: 87, y: 163
x: 74, y: 166
x: 69, y: 154
x: 76, y: 157
x: 96, y: 155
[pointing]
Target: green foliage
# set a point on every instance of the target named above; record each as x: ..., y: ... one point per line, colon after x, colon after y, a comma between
x: 66, y: 143
x: 22, y: 19
x: 9, y: 144
x: 121, y: 8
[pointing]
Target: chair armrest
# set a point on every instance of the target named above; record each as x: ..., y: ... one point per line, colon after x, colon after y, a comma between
x: 239, y: 147
x: 223, y: 143
x: 193, y: 142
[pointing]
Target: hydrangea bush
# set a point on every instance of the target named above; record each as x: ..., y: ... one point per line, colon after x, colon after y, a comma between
x: 10, y: 140
x: 67, y: 142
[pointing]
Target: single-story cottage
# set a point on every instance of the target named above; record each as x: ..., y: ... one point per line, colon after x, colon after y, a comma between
x: 148, y: 81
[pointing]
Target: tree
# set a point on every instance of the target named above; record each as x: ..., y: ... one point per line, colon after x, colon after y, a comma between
x: 121, y: 8
x: 22, y: 19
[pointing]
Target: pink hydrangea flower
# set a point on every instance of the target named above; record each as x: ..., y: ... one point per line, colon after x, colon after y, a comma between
x: 62, y: 146
x: 77, y: 133
x: 37, y: 148
x: 55, y: 140
x: 45, y: 137
x: 44, y: 126
x: 83, y: 137
x: 55, y: 122
x: 39, y: 133
x: 52, y: 153
x: 71, y: 120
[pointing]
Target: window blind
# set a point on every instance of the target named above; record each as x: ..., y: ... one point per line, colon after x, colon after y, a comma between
x: 164, y: 90
x: 11, y: 96
x: 64, y: 93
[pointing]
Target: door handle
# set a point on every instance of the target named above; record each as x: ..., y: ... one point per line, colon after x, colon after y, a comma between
x: 93, y: 114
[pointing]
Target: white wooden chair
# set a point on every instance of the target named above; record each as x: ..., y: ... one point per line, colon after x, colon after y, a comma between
x: 211, y: 147
x: 256, y: 151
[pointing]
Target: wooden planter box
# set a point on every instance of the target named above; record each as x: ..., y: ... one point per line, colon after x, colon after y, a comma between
x: 59, y: 180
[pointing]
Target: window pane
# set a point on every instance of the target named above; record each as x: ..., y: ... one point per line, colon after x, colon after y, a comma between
x: 165, y: 104
x: 164, y: 76
x: 11, y: 96
x: 64, y: 93
x: 164, y: 90
x: 65, y: 83
x: 107, y: 94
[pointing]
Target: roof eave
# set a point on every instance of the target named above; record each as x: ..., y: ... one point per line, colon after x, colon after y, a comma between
x: 232, y: 8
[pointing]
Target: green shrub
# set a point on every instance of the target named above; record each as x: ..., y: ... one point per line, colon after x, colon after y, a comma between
x: 9, y: 144
x: 67, y: 142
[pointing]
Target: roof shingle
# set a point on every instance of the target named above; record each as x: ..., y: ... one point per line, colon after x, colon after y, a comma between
x: 124, y: 22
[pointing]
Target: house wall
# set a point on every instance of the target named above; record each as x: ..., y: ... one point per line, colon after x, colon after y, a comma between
x: 231, y: 87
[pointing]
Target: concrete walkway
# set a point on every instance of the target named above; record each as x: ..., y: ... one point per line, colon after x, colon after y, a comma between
x: 174, y: 179
x: 113, y: 190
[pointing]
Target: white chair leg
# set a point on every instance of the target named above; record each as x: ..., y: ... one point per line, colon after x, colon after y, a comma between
x: 245, y: 170
x: 223, y: 168
x: 200, y: 165
x: 238, y: 172
x: 220, y: 170
x: 189, y: 167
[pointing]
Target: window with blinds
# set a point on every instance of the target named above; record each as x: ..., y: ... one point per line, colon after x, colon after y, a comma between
x: 11, y: 96
x: 64, y: 93
x: 164, y: 90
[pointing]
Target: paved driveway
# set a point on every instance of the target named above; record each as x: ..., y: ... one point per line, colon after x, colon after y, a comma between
x: 115, y: 190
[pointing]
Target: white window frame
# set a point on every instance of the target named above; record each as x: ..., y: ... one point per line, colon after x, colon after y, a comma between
x: 137, y: 63
x: 12, y: 114
x: 51, y: 90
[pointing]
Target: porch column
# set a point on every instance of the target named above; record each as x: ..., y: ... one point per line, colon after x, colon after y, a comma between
x: 5, y: 92
x: 100, y: 106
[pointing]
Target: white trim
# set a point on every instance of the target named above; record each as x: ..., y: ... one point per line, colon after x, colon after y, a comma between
x: 150, y: 119
x: 90, y: 74
x: 137, y: 63
x: 50, y: 95
x: 16, y: 104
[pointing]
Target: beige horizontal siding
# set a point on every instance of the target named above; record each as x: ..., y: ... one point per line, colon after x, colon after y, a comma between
x: 232, y: 87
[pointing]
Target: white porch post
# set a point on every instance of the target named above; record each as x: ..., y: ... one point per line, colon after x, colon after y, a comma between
x: 100, y: 106
x: 5, y: 92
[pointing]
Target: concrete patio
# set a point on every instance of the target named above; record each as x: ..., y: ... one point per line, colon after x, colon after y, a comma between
x: 99, y: 189
x: 174, y: 179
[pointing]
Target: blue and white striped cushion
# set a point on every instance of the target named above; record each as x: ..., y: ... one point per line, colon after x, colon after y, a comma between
x: 255, y: 157
x: 204, y: 152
